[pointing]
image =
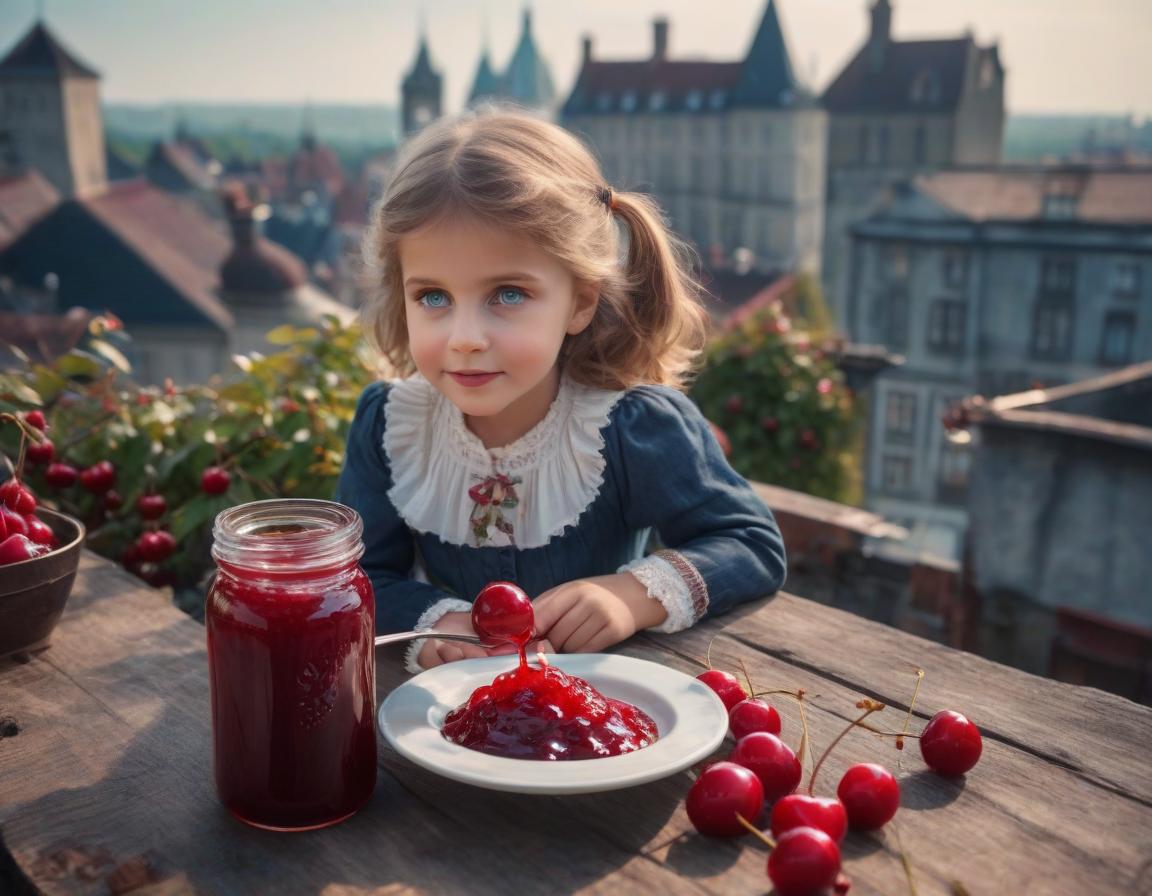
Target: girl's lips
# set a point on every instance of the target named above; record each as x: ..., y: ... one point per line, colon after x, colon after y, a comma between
x: 474, y: 379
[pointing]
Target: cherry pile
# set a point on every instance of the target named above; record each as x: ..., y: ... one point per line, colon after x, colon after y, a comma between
x: 23, y: 535
x: 728, y: 798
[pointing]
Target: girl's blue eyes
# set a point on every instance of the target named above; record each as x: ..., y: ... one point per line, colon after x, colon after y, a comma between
x: 506, y: 295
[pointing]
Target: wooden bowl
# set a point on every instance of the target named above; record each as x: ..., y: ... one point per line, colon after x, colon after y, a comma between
x: 33, y: 592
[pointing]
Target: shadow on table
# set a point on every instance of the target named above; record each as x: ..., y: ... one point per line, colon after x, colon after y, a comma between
x: 924, y: 789
x: 155, y: 809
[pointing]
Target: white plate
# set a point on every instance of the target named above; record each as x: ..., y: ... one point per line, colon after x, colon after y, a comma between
x: 689, y: 716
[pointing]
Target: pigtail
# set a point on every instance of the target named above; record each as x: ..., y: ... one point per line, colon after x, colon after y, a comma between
x: 658, y: 330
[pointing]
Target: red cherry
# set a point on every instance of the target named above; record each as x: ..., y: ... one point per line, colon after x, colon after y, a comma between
x: 41, y: 453
x: 17, y: 548
x: 99, y: 477
x: 8, y: 491
x: 113, y: 500
x: 950, y: 743
x: 36, y: 419
x: 804, y: 862
x: 870, y: 795
x: 40, y: 532
x: 215, y: 481
x: 61, y: 475
x: 151, y: 507
x: 734, y: 404
x: 809, y: 440
x: 20, y: 499
x: 773, y: 762
x: 503, y: 612
x: 726, y: 685
x: 798, y: 810
x: 155, y: 547
x: 723, y: 790
x: 14, y: 523
x: 752, y: 715
x: 770, y: 424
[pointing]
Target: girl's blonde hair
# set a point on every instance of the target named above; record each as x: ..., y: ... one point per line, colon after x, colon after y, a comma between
x: 523, y: 174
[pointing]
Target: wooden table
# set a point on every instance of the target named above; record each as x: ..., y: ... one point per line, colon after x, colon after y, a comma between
x: 107, y: 786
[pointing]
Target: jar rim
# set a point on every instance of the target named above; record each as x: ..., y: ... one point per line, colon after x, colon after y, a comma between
x: 309, y: 533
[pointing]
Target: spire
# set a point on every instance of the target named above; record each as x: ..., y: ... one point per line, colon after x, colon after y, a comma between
x: 39, y: 53
x: 528, y: 80
x: 767, y: 77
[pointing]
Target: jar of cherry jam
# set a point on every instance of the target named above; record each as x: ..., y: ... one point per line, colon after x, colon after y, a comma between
x: 290, y: 654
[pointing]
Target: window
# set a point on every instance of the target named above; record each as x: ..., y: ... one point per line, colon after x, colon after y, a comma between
x: 900, y: 418
x: 628, y: 101
x: 694, y: 100
x: 1116, y: 341
x: 925, y: 87
x: 657, y: 100
x: 1052, y: 330
x: 896, y: 263
x: 955, y: 268
x: 919, y: 145
x: 1059, y: 206
x: 955, y: 462
x: 882, y: 144
x: 896, y: 322
x: 716, y: 100
x: 896, y: 473
x: 1058, y: 275
x: 862, y: 147
x: 946, y: 325
x: 1125, y: 279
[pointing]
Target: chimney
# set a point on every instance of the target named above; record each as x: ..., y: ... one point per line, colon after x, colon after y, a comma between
x: 246, y: 215
x: 587, y: 49
x: 880, y: 34
x: 659, y: 39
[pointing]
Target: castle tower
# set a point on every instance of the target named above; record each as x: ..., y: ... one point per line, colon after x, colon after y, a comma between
x: 422, y: 91
x: 50, y: 119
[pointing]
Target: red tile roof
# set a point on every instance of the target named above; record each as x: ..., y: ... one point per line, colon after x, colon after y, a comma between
x: 24, y: 199
x: 177, y: 240
x: 1103, y: 196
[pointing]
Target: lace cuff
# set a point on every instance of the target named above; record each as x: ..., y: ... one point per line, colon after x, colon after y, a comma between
x: 426, y: 621
x: 671, y: 579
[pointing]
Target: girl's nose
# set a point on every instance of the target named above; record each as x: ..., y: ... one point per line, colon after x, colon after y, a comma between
x: 468, y: 334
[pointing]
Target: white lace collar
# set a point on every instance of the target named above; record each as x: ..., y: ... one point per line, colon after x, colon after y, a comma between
x: 549, y: 476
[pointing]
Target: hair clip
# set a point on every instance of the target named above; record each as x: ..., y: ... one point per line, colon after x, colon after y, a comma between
x: 607, y: 196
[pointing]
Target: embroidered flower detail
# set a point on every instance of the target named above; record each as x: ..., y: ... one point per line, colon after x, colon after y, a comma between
x: 491, y: 496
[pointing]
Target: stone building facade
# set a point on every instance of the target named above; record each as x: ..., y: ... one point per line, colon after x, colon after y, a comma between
x: 733, y: 151
x: 50, y: 115
x: 898, y: 109
x: 988, y: 282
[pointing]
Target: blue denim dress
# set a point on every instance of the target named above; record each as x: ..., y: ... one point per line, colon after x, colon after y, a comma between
x: 659, y: 471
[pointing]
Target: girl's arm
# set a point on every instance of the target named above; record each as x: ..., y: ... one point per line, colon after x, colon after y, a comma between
x: 389, y: 551
x: 721, y: 545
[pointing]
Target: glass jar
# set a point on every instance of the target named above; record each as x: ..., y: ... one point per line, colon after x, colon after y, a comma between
x: 290, y: 619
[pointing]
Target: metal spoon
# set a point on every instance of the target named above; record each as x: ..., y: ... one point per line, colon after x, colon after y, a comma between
x: 443, y: 636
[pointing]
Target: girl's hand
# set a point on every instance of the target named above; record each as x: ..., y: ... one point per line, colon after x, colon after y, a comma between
x: 436, y: 652
x: 589, y: 615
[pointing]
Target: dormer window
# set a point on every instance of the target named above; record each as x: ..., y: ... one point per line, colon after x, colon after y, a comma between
x: 694, y: 100
x: 926, y: 87
x: 716, y: 100
x: 604, y: 101
x: 628, y: 101
x: 657, y: 100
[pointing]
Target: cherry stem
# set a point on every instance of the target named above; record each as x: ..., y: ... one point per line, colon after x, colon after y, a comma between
x: 908, y: 718
x: 747, y: 678
x: 881, y: 733
x: 708, y: 652
x: 904, y: 860
x: 869, y: 707
x: 805, y: 746
x: 84, y: 433
x: 755, y: 830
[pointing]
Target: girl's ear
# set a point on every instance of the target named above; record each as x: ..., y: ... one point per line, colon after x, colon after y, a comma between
x: 584, y: 309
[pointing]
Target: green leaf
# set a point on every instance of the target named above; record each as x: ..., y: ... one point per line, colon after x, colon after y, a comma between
x: 197, y: 511
x: 77, y: 364
x: 112, y: 354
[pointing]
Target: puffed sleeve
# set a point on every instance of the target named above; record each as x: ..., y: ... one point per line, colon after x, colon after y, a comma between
x: 402, y: 604
x: 721, y: 545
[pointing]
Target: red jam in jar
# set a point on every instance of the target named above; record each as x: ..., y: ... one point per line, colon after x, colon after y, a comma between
x: 290, y: 654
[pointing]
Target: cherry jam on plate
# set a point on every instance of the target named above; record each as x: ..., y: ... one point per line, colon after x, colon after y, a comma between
x: 544, y: 713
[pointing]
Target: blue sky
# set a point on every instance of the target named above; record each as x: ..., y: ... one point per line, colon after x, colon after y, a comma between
x: 1062, y: 55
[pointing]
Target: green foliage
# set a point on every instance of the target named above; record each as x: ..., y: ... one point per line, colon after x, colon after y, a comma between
x: 783, y: 405
x: 278, y: 425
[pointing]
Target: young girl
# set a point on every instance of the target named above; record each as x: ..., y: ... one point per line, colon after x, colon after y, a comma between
x: 545, y: 325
